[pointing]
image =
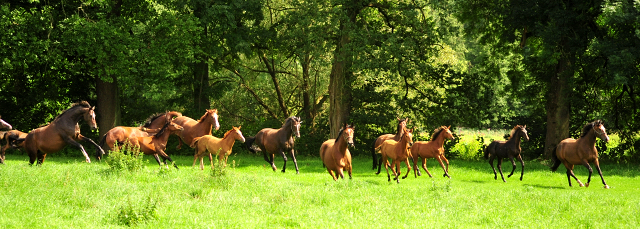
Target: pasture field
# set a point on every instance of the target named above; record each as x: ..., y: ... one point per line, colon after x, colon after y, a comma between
x: 66, y: 192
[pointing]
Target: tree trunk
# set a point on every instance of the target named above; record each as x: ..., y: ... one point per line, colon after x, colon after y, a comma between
x: 108, y: 105
x: 558, y: 107
x: 201, y: 86
x: 307, y: 107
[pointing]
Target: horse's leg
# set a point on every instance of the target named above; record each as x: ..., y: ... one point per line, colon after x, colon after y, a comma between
x: 210, y: 161
x: 373, y: 154
x: 380, y: 165
x: 386, y: 166
x: 586, y: 164
x: 41, y: 157
x: 408, y: 168
x: 331, y: 173
x: 72, y: 142
x: 424, y: 166
x: 513, y: 163
x: 446, y: 161
x: 166, y: 156
x: 500, y: 168
x: 157, y: 159
x: 446, y: 172
x: 397, y: 163
x: 4, y: 148
x: 295, y: 162
x: 341, y: 173
x: 99, y: 151
x: 495, y: 175
x: 284, y: 157
x: 415, y: 168
x: 571, y: 174
x: 600, y: 172
x: 521, y: 163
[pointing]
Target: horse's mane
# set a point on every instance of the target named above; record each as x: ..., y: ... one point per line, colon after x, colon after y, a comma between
x: 589, y: 126
x: 152, y: 118
x: 205, y: 115
x: 399, y: 128
x: 513, y: 131
x: 437, y: 133
x: 83, y: 104
x: 290, y: 119
x: 162, y: 129
x: 227, y: 133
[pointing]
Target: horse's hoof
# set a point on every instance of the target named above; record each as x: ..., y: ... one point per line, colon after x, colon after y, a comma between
x: 606, y: 186
x: 509, y: 176
x: 495, y: 178
x: 520, y: 178
x: 581, y: 185
x: 586, y: 185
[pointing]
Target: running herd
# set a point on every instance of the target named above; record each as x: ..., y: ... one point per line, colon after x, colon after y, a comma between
x: 151, y: 139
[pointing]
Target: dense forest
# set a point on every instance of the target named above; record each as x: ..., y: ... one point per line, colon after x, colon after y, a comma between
x: 551, y: 65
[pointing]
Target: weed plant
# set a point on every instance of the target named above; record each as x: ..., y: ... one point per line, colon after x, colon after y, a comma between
x: 125, y: 158
x: 133, y: 213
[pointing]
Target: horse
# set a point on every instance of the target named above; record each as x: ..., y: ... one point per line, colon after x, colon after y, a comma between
x: 431, y: 149
x: 582, y: 151
x: 335, y: 154
x: 398, y: 151
x: 402, y: 123
x: 504, y: 149
x: 64, y: 130
x: 157, y: 144
x: 11, y: 138
x: 4, y: 125
x: 272, y: 141
x: 119, y: 134
x: 220, y: 146
x: 194, y: 129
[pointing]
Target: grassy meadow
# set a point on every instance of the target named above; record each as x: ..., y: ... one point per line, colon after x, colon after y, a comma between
x: 66, y: 192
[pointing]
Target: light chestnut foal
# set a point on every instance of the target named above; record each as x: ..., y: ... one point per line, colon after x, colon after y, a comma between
x: 219, y: 146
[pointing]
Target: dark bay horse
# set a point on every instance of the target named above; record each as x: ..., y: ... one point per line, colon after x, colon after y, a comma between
x: 402, y: 123
x: 277, y: 141
x: 335, y: 154
x: 397, y: 151
x: 4, y: 125
x: 119, y: 134
x: 11, y: 138
x: 157, y: 144
x: 194, y: 129
x: 510, y: 148
x: 221, y: 147
x: 582, y: 151
x: 64, y: 130
x: 431, y: 149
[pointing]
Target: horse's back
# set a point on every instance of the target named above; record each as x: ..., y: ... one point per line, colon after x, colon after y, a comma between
x: 185, y: 121
x: 387, y: 148
x: 44, y: 139
x: 422, y: 149
x: 568, y: 150
x: 382, y: 138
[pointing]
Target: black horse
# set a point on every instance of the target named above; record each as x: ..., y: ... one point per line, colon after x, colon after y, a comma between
x: 277, y: 141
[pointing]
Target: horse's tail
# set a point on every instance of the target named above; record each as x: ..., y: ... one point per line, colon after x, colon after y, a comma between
x: 103, y: 140
x: 556, y: 160
x: 249, y: 143
x: 195, y: 141
x: 486, y: 151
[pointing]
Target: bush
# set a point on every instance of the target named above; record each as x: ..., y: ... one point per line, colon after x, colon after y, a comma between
x: 125, y: 158
x: 132, y: 214
x: 468, y: 149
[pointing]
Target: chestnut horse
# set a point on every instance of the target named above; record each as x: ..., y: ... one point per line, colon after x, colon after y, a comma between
x: 431, y: 149
x: 157, y: 144
x: 12, y: 139
x: 4, y: 125
x: 510, y: 148
x: 119, y: 134
x: 402, y: 123
x: 335, y: 154
x: 272, y: 141
x: 220, y: 146
x: 397, y: 151
x: 582, y: 151
x: 194, y: 129
x: 64, y: 130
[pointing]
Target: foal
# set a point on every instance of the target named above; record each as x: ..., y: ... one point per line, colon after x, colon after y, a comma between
x: 509, y: 148
x: 398, y: 151
x: 431, y: 149
x: 335, y: 154
x: 157, y: 144
x: 220, y: 146
x: 402, y: 123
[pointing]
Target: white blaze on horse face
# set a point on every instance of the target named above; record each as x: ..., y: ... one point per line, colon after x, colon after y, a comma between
x: 241, y: 136
x: 603, y: 134
x: 215, y: 120
x: 5, y: 124
x: 298, y: 130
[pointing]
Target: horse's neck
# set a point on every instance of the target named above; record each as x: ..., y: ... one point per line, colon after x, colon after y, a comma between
x: 228, y: 140
x: 398, y: 136
x: 341, y: 144
x: 162, y: 139
x: 439, y: 140
x: 590, y: 138
x: 286, y: 130
x: 402, y: 144
x: 75, y: 116
x: 205, y: 125
x: 515, y: 139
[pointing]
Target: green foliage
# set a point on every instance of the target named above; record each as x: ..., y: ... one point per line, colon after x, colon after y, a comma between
x: 132, y: 213
x: 125, y: 158
x: 468, y: 149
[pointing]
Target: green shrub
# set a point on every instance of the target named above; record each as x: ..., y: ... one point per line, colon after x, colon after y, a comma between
x: 132, y: 214
x: 125, y: 158
x: 468, y: 149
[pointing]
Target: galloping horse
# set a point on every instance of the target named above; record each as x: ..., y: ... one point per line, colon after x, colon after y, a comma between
x: 4, y: 125
x: 509, y: 148
x: 119, y: 134
x: 11, y: 137
x: 572, y: 152
x: 398, y: 151
x: 402, y: 123
x: 272, y: 141
x: 194, y: 129
x: 62, y: 131
x: 155, y: 145
x: 335, y: 154
x: 431, y: 149
x: 220, y: 146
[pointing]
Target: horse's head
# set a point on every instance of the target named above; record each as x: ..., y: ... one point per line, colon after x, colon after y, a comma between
x: 295, y: 125
x: 523, y: 131
x: 4, y: 125
x: 174, y: 127
x: 408, y: 137
x: 213, y: 115
x: 90, y: 118
x: 238, y: 134
x: 347, y: 134
x: 447, y: 133
x: 600, y: 131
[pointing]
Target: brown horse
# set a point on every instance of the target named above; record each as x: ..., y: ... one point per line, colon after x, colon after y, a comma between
x: 119, y: 134
x: 397, y: 151
x: 64, y: 130
x: 510, y: 148
x: 431, y: 149
x: 335, y: 154
x: 4, y: 125
x: 402, y: 123
x: 194, y: 129
x: 582, y: 151
x: 12, y: 141
x: 272, y: 141
x: 220, y: 146
x: 157, y: 144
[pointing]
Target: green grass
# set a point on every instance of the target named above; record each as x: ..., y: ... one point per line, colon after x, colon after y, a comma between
x: 66, y: 192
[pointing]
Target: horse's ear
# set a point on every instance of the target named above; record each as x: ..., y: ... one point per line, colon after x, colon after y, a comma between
x: 398, y: 118
x: 449, y: 127
x: 525, y: 127
x: 93, y: 108
x: 239, y: 127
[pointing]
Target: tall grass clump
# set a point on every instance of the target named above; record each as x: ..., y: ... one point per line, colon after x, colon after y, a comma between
x: 125, y: 158
x: 132, y: 213
x: 468, y: 149
x: 221, y: 174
